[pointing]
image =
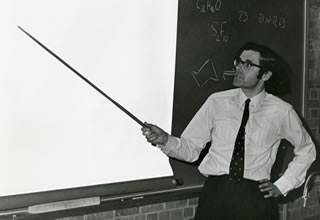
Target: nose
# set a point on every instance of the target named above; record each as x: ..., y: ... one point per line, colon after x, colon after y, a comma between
x: 238, y: 71
x: 238, y: 68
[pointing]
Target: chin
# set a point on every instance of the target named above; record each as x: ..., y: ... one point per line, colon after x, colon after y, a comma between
x: 236, y: 83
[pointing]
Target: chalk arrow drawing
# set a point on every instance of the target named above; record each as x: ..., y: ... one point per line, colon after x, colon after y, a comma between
x: 206, y: 73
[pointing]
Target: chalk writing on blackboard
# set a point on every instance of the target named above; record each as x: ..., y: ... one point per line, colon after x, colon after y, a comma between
x: 275, y: 20
x: 218, y: 32
x: 208, y: 5
x: 207, y: 72
x: 243, y: 16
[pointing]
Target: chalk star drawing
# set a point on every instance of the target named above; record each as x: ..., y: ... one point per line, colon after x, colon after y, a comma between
x: 206, y: 73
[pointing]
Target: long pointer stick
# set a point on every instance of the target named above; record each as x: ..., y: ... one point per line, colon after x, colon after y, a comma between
x: 85, y: 79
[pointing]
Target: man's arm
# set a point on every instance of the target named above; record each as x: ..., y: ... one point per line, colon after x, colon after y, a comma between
x: 193, y: 139
x: 304, y: 152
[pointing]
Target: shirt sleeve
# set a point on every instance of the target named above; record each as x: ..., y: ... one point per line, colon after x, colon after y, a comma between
x: 304, y: 152
x: 194, y: 138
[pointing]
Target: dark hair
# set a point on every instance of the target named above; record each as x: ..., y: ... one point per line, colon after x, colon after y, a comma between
x: 279, y: 83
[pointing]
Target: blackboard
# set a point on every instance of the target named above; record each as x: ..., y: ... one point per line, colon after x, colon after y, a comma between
x: 209, y: 33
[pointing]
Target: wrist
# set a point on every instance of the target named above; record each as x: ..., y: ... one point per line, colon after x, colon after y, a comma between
x: 165, y: 139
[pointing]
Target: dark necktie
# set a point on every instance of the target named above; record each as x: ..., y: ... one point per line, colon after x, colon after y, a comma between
x: 237, y: 161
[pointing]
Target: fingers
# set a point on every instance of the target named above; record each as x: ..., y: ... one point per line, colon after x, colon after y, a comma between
x: 151, y: 137
x: 150, y: 132
x: 146, y: 131
x: 146, y: 128
x: 267, y: 188
x: 154, y: 134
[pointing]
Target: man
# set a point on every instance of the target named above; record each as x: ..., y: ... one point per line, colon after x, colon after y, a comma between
x: 245, y: 126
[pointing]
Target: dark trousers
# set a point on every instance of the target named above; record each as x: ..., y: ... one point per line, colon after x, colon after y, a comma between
x: 222, y: 199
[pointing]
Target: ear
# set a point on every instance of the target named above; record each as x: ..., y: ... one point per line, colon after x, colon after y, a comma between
x: 266, y: 76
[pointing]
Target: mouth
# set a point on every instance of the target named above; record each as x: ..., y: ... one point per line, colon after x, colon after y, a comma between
x: 238, y: 76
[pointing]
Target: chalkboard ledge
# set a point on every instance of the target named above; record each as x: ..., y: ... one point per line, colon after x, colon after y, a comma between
x: 121, y: 202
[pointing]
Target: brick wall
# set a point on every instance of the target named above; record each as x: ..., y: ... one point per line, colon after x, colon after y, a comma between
x: 313, y: 73
x: 296, y: 211
x: 174, y: 210
x: 312, y: 112
x: 185, y: 209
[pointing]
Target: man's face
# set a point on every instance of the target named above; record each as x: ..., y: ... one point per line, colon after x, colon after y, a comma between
x: 247, y: 75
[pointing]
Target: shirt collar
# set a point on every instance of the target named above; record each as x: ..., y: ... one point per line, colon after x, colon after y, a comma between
x: 255, y: 102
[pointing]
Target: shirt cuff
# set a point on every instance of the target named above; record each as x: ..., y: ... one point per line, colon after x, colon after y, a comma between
x: 171, y: 144
x: 283, y: 185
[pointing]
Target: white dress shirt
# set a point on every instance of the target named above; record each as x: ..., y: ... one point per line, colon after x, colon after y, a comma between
x: 270, y: 120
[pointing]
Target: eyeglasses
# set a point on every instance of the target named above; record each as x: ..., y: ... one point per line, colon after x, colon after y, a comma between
x: 245, y: 64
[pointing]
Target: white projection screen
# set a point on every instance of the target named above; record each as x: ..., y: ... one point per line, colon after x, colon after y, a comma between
x: 56, y: 131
